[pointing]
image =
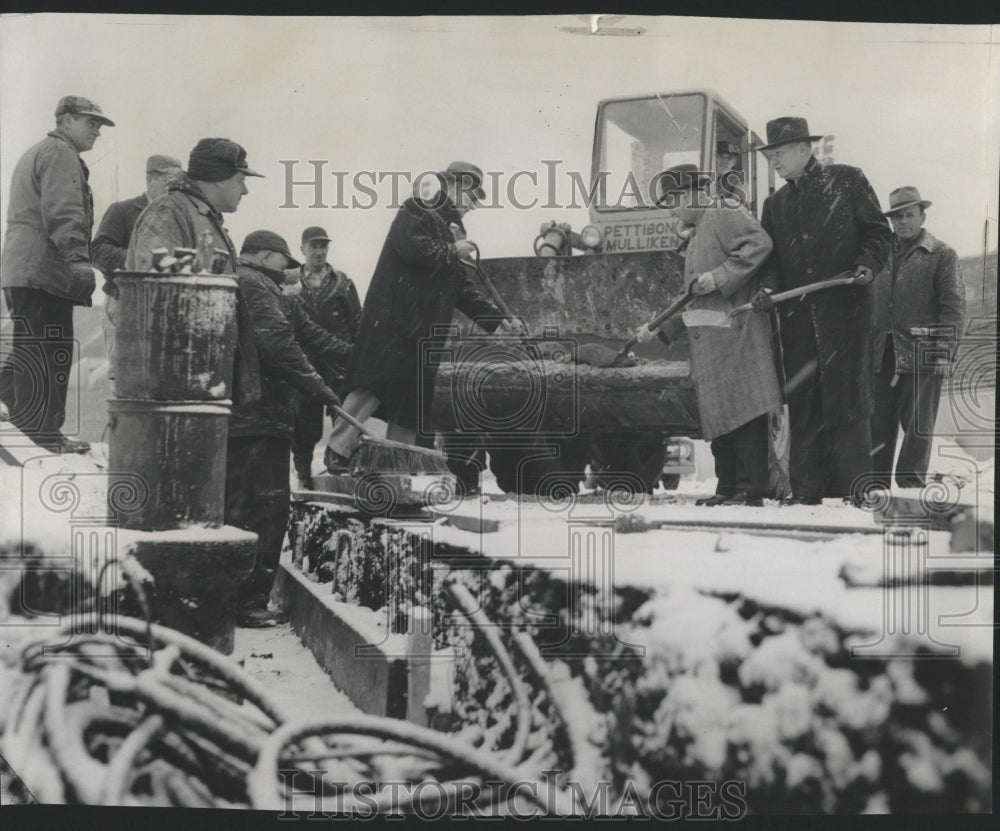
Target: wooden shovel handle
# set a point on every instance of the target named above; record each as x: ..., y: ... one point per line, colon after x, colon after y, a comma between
x: 845, y: 278
x: 670, y: 311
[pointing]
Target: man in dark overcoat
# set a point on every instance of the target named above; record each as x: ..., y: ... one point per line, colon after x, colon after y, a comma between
x: 418, y: 283
x: 824, y: 221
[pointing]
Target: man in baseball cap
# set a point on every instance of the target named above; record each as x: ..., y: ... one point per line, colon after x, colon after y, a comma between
x: 919, y: 316
x: 47, y: 270
x: 287, y: 350
x: 110, y: 246
x: 331, y: 300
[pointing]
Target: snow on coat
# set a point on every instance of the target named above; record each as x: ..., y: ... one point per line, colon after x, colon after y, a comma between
x: 827, y: 222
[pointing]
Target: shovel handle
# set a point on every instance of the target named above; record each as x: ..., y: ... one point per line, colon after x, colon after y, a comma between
x: 845, y: 278
x: 357, y: 425
x: 670, y: 311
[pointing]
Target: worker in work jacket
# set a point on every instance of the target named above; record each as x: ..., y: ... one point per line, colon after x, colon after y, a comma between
x: 258, y: 447
x: 47, y: 271
x: 331, y: 300
x: 919, y: 317
x: 732, y: 359
x: 194, y: 203
x: 293, y: 353
x: 823, y: 221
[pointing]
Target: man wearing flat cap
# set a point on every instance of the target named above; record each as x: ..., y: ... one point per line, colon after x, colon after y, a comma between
x: 331, y: 300
x: 111, y: 243
x: 419, y: 281
x: 919, y: 317
x: 290, y: 354
x: 47, y: 270
x: 824, y: 221
x: 732, y: 359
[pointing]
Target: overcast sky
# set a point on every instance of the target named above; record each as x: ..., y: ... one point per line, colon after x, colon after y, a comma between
x: 909, y: 104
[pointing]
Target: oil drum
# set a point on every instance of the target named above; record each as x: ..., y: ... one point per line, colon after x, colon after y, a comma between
x: 167, y: 463
x: 176, y: 336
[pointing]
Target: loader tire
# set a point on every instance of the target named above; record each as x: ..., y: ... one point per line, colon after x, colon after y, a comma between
x: 632, y: 463
x: 535, y: 469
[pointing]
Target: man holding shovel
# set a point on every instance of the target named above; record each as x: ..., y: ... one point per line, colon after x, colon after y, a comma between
x: 824, y: 221
x: 732, y: 361
x: 419, y: 281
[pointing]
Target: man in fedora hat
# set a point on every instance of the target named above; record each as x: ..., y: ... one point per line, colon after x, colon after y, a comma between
x: 919, y: 316
x: 732, y: 360
x: 419, y: 281
x: 288, y: 351
x: 111, y: 243
x: 824, y: 221
x: 331, y: 300
x: 47, y: 270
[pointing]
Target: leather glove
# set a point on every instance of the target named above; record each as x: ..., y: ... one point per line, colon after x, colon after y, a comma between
x: 705, y: 284
x: 863, y: 275
x: 329, y: 398
x: 84, y: 279
x: 512, y: 326
x: 644, y: 334
x: 942, y: 368
x: 762, y: 301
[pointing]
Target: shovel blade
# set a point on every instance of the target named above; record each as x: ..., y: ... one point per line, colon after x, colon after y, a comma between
x: 706, y: 317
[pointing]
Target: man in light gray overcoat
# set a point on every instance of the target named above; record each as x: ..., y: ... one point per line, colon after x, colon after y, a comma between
x: 732, y: 359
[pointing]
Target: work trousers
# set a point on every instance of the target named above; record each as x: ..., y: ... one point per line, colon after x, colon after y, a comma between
x: 908, y: 401
x: 825, y: 460
x: 258, y: 495
x: 361, y: 403
x: 34, y: 377
x: 741, y: 459
x: 308, y: 431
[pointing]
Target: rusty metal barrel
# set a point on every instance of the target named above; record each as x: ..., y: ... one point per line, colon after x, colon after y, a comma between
x: 176, y: 336
x: 167, y: 463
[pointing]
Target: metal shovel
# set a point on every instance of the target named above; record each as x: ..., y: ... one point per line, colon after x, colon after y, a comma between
x: 706, y: 317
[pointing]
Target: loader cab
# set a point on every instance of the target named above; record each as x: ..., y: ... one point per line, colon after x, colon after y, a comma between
x: 637, y: 138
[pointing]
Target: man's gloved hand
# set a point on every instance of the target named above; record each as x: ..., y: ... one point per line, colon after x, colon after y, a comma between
x: 465, y: 249
x: 863, y: 275
x: 644, y: 334
x: 329, y: 398
x: 84, y: 277
x: 942, y: 367
x: 762, y: 301
x: 705, y: 284
x: 512, y: 326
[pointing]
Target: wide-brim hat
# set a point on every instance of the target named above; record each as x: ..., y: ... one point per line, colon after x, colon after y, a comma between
x: 786, y: 130
x: 680, y: 178
x: 268, y: 241
x: 902, y: 198
x: 468, y: 176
